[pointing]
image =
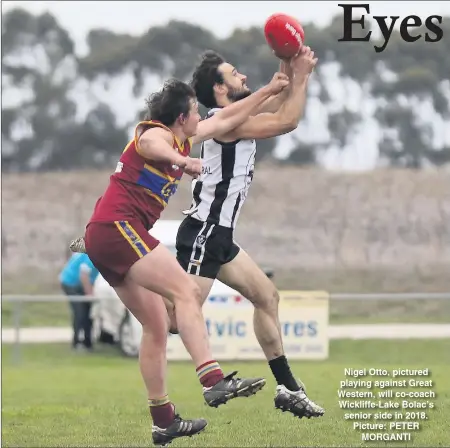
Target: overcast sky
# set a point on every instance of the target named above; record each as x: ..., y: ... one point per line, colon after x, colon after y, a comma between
x: 221, y: 17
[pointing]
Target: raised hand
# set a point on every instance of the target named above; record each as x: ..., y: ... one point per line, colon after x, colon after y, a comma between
x: 303, y: 64
x: 278, y: 83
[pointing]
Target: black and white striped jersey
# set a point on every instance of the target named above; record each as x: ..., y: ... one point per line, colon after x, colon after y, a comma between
x: 227, y: 172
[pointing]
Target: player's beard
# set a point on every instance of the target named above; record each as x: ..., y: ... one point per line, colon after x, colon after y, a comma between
x: 237, y: 95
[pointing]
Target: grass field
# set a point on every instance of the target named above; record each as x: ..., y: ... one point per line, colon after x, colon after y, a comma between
x: 55, y: 398
x: 341, y: 312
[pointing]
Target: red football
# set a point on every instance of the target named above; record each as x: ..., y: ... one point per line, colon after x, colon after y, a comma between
x: 284, y: 34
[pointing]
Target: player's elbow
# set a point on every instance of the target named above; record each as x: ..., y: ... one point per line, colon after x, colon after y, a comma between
x: 270, y: 130
x: 284, y: 126
x: 289, y: 125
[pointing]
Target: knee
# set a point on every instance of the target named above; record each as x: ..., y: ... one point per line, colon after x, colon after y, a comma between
x: 190, y: 293
x: 273, y: 298
x: 267, y: 300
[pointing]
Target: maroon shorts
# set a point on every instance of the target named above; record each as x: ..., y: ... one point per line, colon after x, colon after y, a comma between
x: 115, y: 246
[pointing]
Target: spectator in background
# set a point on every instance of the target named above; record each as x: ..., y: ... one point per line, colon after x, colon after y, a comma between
x: 77, y: 279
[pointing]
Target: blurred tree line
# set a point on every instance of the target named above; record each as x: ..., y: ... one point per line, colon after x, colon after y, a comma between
x: 41, y: 73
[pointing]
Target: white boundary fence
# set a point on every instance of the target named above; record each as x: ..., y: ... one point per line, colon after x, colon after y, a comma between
x: 19, y: 300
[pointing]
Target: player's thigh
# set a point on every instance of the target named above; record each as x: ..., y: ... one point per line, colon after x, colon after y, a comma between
x: 146, y: 306
x: 114, y: 247
x: 160, y: 272
x: 205, y: 285
x: 246, y: 277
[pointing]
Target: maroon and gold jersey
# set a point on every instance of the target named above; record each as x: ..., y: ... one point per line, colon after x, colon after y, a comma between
x: 140, y: 188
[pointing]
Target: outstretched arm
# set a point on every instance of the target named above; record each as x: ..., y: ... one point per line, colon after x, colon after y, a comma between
x: 273, y: 103
x: 235, y: 114
x: 286, y: 119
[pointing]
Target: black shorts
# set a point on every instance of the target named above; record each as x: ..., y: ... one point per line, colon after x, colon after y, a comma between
x: 202, y: 247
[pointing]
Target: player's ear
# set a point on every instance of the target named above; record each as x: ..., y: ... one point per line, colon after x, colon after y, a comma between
x: 182, y: 119
x: 220, y: 89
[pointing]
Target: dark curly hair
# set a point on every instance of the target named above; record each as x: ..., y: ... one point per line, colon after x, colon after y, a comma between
x: 205, y: 76
x: 170, y: 102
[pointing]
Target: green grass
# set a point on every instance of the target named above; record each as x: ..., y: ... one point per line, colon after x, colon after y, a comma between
x: 56, y: 398
x: 341, y: 312
x: 435, y: 279
x: 389, y: 311
x: 45, y: 314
